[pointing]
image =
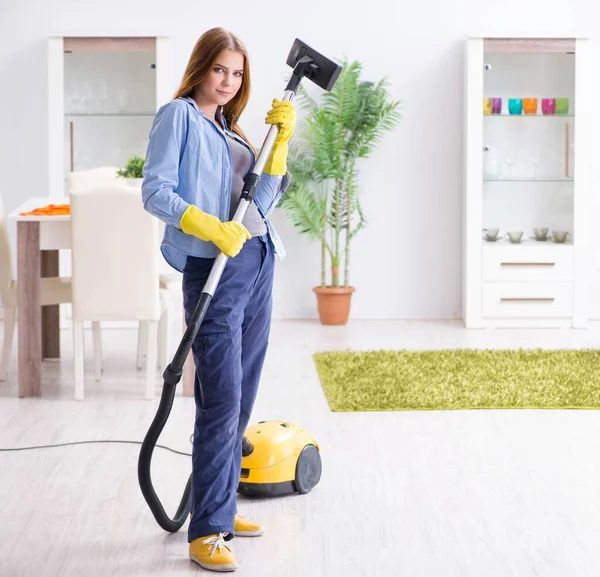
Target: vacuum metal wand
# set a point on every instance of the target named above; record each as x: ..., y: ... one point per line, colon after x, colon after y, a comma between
x: 308, y: 63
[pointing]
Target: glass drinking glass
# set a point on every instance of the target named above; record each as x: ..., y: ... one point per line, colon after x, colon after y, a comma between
x: 530, y: 105
x: 515, y: 105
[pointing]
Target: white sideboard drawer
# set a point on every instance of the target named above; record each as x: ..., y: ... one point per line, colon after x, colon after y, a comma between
x: 527, y: 263
x: 527, y: 300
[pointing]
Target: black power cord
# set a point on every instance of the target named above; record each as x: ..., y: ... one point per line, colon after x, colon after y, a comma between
x: 90, y: 442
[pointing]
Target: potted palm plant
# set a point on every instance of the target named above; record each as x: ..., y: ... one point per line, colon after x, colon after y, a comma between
x: 322, y: 201
x: 132, y: 172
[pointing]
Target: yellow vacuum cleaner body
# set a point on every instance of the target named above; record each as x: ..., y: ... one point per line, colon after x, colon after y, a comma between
x: 278, y: 458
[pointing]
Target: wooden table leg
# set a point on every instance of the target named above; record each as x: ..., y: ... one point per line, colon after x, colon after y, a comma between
x: 189, y: 371
x: 51, y: 313
x: 29, y: 309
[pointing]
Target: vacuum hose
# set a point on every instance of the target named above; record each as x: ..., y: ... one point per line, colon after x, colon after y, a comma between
x: 170, y: 525
x: 171, y: 376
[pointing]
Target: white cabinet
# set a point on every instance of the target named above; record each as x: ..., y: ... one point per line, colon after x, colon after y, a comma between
x: 103, y: 95
x: 527, y: 145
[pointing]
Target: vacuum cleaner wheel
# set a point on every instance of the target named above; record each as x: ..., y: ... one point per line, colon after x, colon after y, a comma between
x: 247, y: 447
x: 308, y: 469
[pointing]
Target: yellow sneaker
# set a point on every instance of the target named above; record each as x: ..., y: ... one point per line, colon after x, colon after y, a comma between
x: 244, y: 528
x: 212, y: 553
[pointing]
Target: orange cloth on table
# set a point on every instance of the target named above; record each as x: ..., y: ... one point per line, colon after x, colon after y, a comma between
x: 49, y: 210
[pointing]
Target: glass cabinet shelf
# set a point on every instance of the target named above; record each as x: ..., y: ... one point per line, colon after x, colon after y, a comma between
x: 517, y: 179
x: 92, y: 114
x: 546, y: 116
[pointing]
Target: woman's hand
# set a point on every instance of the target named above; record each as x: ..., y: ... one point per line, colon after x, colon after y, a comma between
x: 282, y: 114
x: 228, y: 236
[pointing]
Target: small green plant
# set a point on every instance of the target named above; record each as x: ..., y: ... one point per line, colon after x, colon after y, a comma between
x: 133, y: 168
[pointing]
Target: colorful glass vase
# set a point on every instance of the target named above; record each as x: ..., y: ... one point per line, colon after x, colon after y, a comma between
x: 548, y: 105
x: 515, y: 105
x: 530, y: 105
x: 562, y: 106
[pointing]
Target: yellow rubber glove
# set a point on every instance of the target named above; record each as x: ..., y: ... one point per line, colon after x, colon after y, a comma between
x: 228, y: 236
x: 283, y: 115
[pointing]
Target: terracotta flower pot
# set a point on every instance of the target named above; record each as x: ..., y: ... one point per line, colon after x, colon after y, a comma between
x: 333, y: 304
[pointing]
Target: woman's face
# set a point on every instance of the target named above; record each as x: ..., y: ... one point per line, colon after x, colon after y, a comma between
x: 224, y: 80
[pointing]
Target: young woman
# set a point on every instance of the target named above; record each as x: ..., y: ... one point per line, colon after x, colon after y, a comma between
x: 196, y: 162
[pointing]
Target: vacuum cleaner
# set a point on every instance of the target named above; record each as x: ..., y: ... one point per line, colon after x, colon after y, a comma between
x: 277, y: 457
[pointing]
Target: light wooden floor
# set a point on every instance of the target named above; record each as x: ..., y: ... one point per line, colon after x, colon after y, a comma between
x: 415, y: 494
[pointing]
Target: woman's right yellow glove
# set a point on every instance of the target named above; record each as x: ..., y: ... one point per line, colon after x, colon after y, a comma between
x: 282, y: 114
x: 228, y: 236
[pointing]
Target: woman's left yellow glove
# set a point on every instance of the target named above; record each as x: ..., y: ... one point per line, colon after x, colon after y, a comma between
x: 283, y: 115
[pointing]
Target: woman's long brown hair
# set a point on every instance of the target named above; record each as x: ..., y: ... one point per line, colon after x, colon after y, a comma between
x: 203, y: 57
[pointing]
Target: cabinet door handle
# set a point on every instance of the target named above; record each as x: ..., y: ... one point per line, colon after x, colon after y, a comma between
x: 527, y: 263
x: 527, y: 299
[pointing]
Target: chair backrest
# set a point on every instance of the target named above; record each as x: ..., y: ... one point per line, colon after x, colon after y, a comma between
x: 94, y: 177
x: 6, y: 264
x: 114, y: 258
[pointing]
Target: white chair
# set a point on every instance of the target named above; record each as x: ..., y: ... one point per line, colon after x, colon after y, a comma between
x: 170, y: 281
x: 115, y: 269
x: 53, y: 291
x: 107, y: 176
x: 171, y: 284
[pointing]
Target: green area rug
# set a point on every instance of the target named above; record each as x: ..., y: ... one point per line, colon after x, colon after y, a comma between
x: 460, y: 379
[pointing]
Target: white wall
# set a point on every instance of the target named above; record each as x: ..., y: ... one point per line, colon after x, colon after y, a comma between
x: 407, y: 263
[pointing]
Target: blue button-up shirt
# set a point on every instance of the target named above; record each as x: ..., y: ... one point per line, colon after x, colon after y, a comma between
x: 188, y: 161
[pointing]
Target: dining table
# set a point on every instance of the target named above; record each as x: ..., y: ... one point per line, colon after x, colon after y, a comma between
x: 40, y: 238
